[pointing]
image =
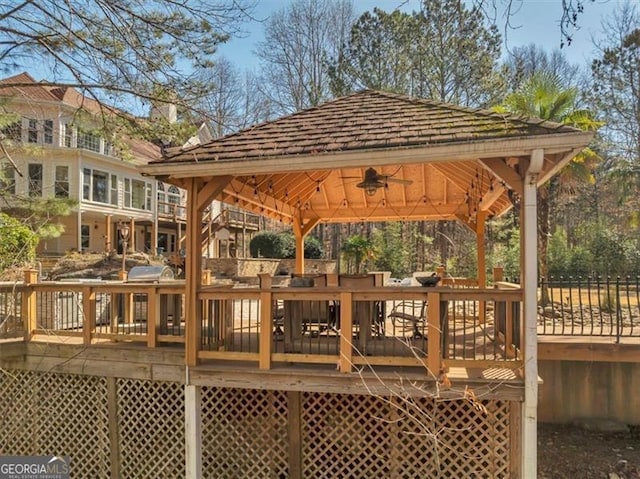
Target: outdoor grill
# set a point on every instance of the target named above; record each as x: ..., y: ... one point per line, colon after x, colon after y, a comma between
x: 150, y: 274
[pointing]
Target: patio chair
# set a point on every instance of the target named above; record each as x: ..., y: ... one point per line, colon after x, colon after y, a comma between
x: 409, y: 315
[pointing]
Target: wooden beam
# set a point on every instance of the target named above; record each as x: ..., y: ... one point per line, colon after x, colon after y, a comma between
x: 309, y: 225
x: 211, y: 190
x: 558, y: 165
x: 490, y: 197
x: 294, y: 423
x: 499, y: 167
x: 416, y: 211
x: 193, y: 430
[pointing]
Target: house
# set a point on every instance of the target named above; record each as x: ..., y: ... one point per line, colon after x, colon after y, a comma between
x: 58, y: 146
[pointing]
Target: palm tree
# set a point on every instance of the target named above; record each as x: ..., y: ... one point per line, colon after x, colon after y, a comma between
x: 544, y: 96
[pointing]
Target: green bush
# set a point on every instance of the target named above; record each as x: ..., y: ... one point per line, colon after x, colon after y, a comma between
x: 269, y: 244
x: 17, y: 242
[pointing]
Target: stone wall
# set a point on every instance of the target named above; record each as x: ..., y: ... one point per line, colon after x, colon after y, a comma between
x: 251, y: 267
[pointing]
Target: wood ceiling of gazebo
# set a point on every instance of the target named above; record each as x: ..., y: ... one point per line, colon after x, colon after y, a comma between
x: 451, y: 161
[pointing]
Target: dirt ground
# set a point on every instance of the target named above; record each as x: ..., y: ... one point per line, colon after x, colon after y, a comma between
x: 567, y: 452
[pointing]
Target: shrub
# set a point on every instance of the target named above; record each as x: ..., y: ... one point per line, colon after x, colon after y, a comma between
x: 17, y: 242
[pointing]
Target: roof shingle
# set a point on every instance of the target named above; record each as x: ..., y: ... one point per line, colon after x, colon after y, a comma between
x: 367, y: 119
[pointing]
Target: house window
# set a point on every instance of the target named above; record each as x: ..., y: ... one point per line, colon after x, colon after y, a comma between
x: 35, y: 179
x: 48, y: 132
x: 88, y: 141
x: 61, y: 186
x: 68, y: 135
x: 95, y: 185
x: 85, y: 237
x: 12, y: 132
x: 173, y: 198
x: 32, y: 131
x: 8, y: 179
x: 114, y: 190
x: 137, y: 194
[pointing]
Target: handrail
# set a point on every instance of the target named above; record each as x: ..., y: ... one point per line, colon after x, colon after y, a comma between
x: 338, y: 325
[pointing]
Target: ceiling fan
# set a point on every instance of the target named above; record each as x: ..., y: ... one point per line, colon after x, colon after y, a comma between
x: 372, y: 181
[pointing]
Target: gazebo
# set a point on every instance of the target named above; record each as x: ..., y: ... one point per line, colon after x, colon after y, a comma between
x: 377, y: 156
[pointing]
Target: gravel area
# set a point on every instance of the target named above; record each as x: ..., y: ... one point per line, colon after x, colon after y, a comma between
x: 570, y: 451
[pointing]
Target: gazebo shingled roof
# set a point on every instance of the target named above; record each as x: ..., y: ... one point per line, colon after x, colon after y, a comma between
x: 306, y: 165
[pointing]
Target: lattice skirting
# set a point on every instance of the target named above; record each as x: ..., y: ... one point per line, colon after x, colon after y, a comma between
x: 134, y: 429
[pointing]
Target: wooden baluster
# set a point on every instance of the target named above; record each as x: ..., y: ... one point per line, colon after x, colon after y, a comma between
x: 266, y: 321
x: 346, y: 332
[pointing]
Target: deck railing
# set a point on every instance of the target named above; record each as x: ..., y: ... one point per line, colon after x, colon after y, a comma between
x: 591, y: 306
x: 341, y: 327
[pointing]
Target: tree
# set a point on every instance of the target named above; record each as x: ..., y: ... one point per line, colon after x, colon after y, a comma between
x: 119, y: 51
x: 443, y: 52
x: 391, y: 250
x: 298, y: 41
x: 616, y: 96
x: 377, y: 54
x: 542, y: 96
x: 18, y: 243
x: 529, y: 60
x: 356, y: 249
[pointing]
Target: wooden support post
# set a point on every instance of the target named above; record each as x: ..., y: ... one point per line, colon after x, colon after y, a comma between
x: 434, y: 334
x: 332, y: 279
x: 482, y: 273
x: 132, y: 234
x: 509, y: 348
x: 29, y: 304
x: 114, y: 443
x: 88, y: 314
x: 498, y: 274
x: 153, y: 316
x: 193, y: 434
x: 193, y: 275
x: 294, y: 410
x: 266, y: 321
x: 346, y: 332
x: 108, y: 234
x: 154, y: 236
x: 299, y: 250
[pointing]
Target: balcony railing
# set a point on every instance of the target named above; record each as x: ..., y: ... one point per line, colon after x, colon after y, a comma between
x: 343, y: 327
x: 591, y: 306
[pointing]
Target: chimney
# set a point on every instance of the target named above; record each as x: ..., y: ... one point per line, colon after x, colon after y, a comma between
x: 166, y: 111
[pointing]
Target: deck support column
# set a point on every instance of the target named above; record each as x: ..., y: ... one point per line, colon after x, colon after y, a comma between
x: 529, y: 281
x: 192, y: 433
x: 300, y: 231
x: 482, y: 269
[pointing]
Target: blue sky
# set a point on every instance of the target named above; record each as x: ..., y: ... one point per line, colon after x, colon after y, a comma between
x: 536, y: 21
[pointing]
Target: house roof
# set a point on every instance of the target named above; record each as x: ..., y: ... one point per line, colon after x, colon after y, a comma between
x: 365, y: 120
x: 25, y: 87
x: 434, y: 161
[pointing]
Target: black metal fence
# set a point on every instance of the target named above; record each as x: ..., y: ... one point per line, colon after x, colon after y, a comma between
x: 590, y: 306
